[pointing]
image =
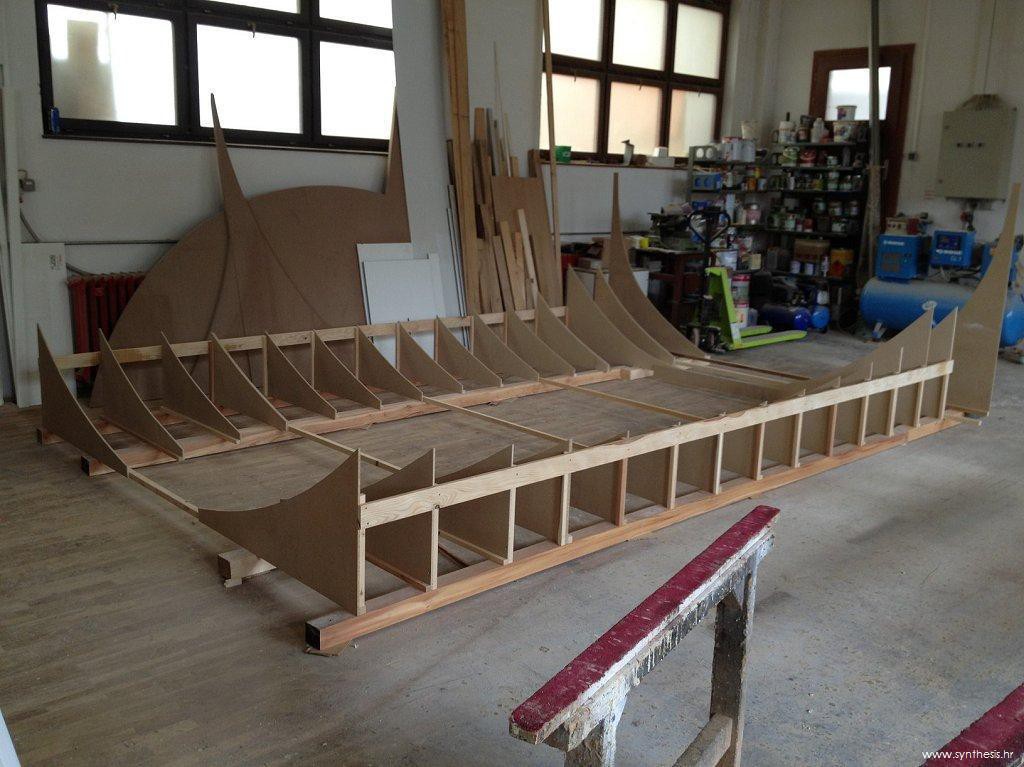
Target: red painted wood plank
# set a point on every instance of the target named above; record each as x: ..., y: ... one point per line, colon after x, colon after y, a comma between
x: 996, y: 739
x: 591, y: 665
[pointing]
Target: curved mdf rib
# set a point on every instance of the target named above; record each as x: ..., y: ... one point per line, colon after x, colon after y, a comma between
x: 63, y: 415
x: 332, y: 376
x: 415, y: 364
x: 122, y: 406
x: 553, y: 332
x: 183, y: 396
x: 976, y: 346
x: 406, y: 548
x: 374, y: 370
x: 458, y: 360
x: 313, y: 536
x: 285, y: 382
x: 493, y: 352
x: 527, y: 344
x: 613, y: 309
x: 586, y: 320
x: 231, y: 388
x: 625, y: 287
x: 484, y: 525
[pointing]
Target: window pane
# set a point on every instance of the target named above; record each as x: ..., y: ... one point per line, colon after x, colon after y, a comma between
x: 108, y: 67
x: 640, y: 33
x: 254, y: 77
x: 698, y: 41
x: 373, y: 13
x: 576, y: 28
x: 634, y: 114
x: 850, y: 86
x: 575, y: 112
x: 692, y: 121
x: 289, y: 6
x: 357, y: 91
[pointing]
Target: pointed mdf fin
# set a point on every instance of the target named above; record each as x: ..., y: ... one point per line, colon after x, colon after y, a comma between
x: 313, y: 536
x: 123, y: 406
x: 493, y: 352
x: 543, y: 507
x: 374, y: 370
x: 586, y: 320
x: 285, y: 382
x: 330, y: 375
x: 407, y: 547
x: 183, y: 396
x: 458, y: 360
x: 623, y: 283
x: 231, y: 388
x: 943, y: 341
x: 613, y: 309
x: 63, y: 415
x: 484, y: 525
x: 976, y: 346
x: 416, y: 365
x: 553, y: 332
x: 536, y: 353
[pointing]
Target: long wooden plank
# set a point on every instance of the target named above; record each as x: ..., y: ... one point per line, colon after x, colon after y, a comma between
x: 554, y: 333
x: 121, y: 404
x: 493, y: 352
x: 484, y: 525
x: 613, y: 309
x: 182, y: 395
x: 586, y: 320
x: 285, y: 382
x: 694, y: 378
x: 332, y: 376
x: 231, y: 388
x: 62, y: 414
x: 416, y: 365
x: 976, y: 346
x: 313, y: 536
x: 374, y: 370
x: 528, y: 345
x: 623, y: 283
x: 556, y: 232
x: 458, y: 360
x: 406, y: 548
x: 543, y: 507
x: 479, y: 415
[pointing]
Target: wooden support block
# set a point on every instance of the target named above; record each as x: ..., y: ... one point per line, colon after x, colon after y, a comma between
x: 493, y: 352
x: 700, y: 463
x: 285, y: 382
x: 652, y: 476
x: 374, y: 370
x: 239, y: 565
x: 330, y: 375
x: 231, y: 388
x: 553, y: 332
x: 416, y: 365
x: 406, y: 548
x: 484, y: 525
x: 743, y: 451
x: 537, y: 354
x: 183, y: 396
x: 543, y: 507
x: 458, y: 360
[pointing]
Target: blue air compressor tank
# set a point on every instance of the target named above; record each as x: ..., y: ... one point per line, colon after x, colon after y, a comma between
x: 897, y: 304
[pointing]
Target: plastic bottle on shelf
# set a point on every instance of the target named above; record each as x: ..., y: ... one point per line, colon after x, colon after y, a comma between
x: 817, y: 130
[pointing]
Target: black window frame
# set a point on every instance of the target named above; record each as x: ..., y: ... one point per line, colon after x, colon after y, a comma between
x: 606, y: 72
x: 185, y: 16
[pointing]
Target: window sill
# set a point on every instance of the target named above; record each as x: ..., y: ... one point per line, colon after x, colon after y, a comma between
x: 210, y: 142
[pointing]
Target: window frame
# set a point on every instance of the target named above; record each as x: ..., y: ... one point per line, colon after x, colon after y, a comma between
x: 607, y: 72
x: 185, y: 16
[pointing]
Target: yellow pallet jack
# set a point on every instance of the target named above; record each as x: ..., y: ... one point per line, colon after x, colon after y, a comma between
x: 730, y: 334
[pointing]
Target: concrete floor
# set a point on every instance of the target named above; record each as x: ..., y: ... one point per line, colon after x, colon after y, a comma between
x: 889, y: 616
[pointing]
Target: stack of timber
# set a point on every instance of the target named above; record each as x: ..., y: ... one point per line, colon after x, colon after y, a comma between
x: 780, y: 428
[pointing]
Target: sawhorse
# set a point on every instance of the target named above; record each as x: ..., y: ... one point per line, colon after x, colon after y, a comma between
x: 577, y: 711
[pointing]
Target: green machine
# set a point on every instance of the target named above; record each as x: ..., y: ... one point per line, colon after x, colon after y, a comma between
x: 730, y: 334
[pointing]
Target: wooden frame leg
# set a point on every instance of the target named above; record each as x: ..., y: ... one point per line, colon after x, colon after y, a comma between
x: 598, y: 748
x: 732, y: 627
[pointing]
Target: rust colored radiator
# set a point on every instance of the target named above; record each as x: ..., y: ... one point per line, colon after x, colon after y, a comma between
x: 97, y: 301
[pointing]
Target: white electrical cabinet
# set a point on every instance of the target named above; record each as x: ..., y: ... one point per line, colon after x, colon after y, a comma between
x: 974, y: 156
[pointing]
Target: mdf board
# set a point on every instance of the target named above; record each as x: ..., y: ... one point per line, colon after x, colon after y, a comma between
x: 286, y: 383
x: 183, y: 396
x: 934, y: 391
x: 554, y: 333
x: 314, y: 536
x: 231, y: 388
x: 742, y: 451
x: 601, y: 490
x: 586, y: 320
x: 652, y: 476
x: 458, y: 360
x: 418, y: 366
x: 700, y: 463
x: 408, y: 547
x: 817, y: 431
x: 493, y: 352
x: 484, y: 525
x: 543, y: 507
x: 613, y: 309
x: 511, y: 194
x: 374, y: 370
x: 123, y: 406
x: 537, y: 354
x: 782, y: 440
x: 908, y: 398
x: 331, y: 376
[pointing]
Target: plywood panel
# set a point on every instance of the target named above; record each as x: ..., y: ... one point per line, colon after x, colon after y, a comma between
x: 613, y: 309
x: 231, y: 388
x: 493, y: 352
x: 182, y: 395
x: 742, y: 451
x: 537, y: 354
x: 601, y: 490
x: 700, y: 463
x: 543, y: 507
x: 484, y: 525
x: 330, y: 375
x: 374, y: 370
x: 458, y: 360
x: 416, y: 365
x: 934, y: 392
x: 553, y: 332
x: 652, y: 476
x: 285, y: 382
x: 586, y: 320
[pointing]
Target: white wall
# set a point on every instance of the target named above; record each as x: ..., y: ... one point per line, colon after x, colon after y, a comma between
x: 949, y: 67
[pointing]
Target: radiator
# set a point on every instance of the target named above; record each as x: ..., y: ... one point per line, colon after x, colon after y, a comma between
x: 97, y: 301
